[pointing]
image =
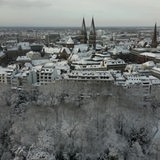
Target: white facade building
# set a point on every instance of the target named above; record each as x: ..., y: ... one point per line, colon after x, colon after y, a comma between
x: 46, y: 74
x: 5, y: 75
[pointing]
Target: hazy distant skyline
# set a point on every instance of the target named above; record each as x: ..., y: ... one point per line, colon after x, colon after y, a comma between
x: 70, y: 12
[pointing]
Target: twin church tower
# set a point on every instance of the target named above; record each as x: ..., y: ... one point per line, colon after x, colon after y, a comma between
x: 91, y: 38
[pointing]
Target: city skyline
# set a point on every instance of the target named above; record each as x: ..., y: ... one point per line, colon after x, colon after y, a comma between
x: 70, y: 12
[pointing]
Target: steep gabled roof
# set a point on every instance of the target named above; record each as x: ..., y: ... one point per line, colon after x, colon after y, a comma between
x: 70, y: 41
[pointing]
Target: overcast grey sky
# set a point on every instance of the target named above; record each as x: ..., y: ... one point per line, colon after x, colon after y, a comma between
x: 71, y: 12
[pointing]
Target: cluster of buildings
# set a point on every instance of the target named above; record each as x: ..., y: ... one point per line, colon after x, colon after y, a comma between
x: 127, y: 58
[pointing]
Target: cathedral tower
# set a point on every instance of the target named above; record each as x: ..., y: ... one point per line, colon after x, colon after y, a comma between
x: 154, y: 38
x: 92, y: 35
x: 83, y: 33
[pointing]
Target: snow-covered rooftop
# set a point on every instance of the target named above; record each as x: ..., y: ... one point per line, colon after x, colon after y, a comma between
x: 51, y: 50
x: 66, y: 49
x: 23, y: 58
x: 149, y: 64
x: 81, y: 47
x: 85, y: 62
x: 70, y: 41
x: 150, y: 54
x: 40, y: 62
x: 49, y: 65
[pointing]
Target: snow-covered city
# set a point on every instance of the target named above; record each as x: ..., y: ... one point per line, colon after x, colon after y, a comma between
x: 79, y: 80
x: 128, y: 58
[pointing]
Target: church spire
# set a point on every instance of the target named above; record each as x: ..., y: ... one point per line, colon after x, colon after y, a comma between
x: 84, y: 26
x: 154, y: 38
x: 92, y: 35
x: 92, y: 29
x: 83, y: 34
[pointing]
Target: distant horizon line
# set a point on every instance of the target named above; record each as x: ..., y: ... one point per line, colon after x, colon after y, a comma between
x: 33, y: 26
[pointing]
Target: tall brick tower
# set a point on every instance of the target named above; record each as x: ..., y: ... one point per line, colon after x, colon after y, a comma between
x: 83, y: 33
x: 92, y: 35
x: 154, y: 38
